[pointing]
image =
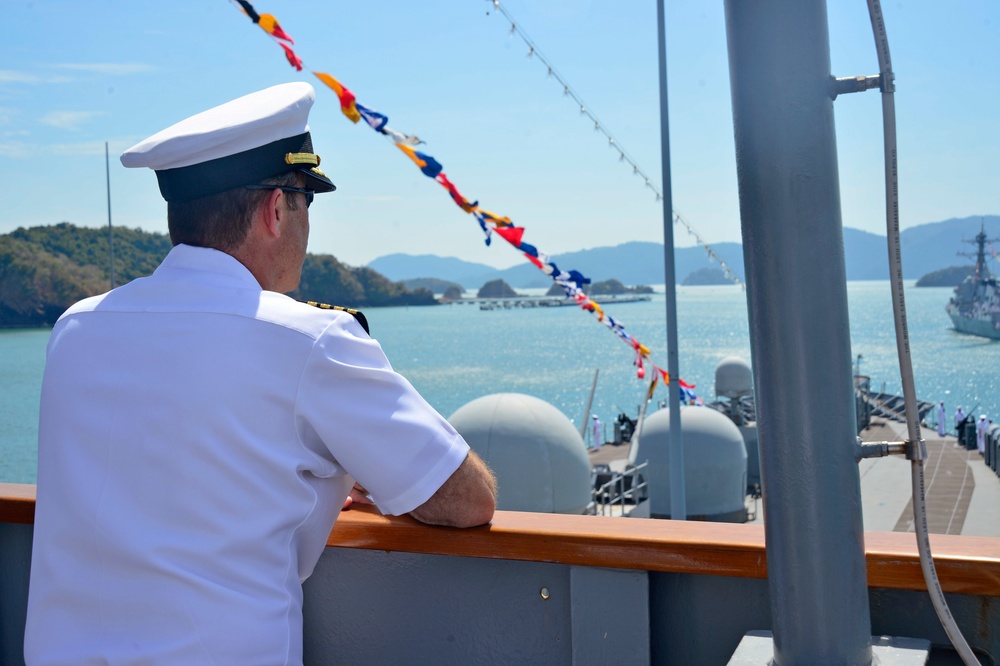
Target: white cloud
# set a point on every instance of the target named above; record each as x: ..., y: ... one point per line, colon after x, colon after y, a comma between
x: 71, y: 149
x: 111, y: 68
x: 107, y: 69
x: 16, y: 149
x: 21, y: 150
x: 9, y: 76
x: 378, y: 198
x: 69, y: 120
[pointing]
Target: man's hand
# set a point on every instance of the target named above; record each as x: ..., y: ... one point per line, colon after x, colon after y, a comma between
x: 468, y: 498
x: 358, y: 495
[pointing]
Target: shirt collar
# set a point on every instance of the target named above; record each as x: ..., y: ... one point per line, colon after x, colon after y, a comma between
x: 225, y: 267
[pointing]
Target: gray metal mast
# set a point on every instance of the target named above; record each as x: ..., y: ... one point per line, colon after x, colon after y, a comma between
x: 678, y: 497
x: 786, y: 160
x: 111, y: 230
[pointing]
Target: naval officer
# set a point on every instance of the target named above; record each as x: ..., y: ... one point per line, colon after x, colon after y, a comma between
x: 200, y: 431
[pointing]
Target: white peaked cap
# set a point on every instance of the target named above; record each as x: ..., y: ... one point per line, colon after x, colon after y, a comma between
x: 242, y: 142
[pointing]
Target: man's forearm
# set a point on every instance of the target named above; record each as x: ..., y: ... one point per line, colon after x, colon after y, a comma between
x: 468, y: 498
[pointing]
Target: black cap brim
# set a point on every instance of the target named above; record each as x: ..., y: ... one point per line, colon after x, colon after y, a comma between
x: 317, y: 181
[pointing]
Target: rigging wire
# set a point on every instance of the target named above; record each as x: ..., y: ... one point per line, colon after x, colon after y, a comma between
x: 917, y: 450
x: 615, y: 144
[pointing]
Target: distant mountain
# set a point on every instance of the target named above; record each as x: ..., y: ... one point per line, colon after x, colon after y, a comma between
x: 925, y: 248
x: 866, y: 255
x: 398, y: 267
x: 632, y: 263
x: 937, y: 245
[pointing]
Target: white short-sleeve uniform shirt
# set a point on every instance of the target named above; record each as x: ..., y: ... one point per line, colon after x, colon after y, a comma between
x: 198, y: 437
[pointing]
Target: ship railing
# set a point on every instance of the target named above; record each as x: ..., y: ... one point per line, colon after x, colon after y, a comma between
x: 532, y: 587
x: 892, y: 407
x: 622, y: 492
x: 881, y: 407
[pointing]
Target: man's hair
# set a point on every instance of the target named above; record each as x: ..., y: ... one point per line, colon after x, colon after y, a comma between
x: 222, y: 221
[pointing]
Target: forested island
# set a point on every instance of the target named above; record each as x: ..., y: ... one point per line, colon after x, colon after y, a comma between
x: 44, y: 270
x: 706, y: 277
x: 435, y: 285
x: 610, y: 287
x: 946, y: 277
x: 496, y: 289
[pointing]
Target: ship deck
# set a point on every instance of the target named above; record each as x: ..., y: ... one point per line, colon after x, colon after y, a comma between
x: 962, y: 493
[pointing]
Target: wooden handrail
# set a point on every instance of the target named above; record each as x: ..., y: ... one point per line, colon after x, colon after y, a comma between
x: 17, y: 503
x: 965, y: 564
x: 622, y: 543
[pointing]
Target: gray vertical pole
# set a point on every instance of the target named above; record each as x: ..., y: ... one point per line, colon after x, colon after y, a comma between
x: 111, y: 230
x: 793, y: 250
x: 590, y: 403
x: 678, y: 497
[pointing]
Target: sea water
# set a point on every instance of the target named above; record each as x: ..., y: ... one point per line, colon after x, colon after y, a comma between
x: 454, y: 354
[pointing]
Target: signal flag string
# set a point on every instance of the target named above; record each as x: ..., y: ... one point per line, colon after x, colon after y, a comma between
x: 623, y: 155
x: 572, y: 282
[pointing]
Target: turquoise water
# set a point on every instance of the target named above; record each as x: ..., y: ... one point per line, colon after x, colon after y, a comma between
x: 22, y: 358
x: 454, y: 354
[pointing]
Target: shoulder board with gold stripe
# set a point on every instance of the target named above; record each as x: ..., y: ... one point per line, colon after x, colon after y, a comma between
x: 355, y: 313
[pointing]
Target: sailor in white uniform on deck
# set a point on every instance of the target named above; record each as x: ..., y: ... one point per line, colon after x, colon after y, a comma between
x: 200, y: 432
x: 941, y: 416
x: 981, y: 434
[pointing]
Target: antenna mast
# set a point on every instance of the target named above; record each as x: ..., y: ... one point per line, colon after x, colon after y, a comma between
x: 982, y: 270
x: 111, y: 231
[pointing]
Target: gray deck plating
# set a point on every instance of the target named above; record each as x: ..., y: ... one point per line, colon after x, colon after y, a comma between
x: 962, y: 494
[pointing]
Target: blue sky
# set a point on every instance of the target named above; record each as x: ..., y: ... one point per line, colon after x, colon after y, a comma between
x: 75, y: 75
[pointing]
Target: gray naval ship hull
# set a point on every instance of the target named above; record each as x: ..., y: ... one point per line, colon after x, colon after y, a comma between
x: 974, y: 308
x: 981, y: 327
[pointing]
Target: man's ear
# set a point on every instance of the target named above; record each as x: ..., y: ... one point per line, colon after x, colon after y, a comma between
x: 271, y: 213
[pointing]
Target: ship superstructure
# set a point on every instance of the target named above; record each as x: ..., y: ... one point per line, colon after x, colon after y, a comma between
x: 974, y: 308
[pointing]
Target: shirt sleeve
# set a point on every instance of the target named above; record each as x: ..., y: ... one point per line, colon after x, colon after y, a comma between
x: 373, y: 422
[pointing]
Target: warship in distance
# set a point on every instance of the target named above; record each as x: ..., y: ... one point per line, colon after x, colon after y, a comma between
x: 974, y: 308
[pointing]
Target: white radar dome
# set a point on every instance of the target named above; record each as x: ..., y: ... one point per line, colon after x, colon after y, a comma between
x: 715, y: 465
x: 537, y: 455
x: 733, y: 378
